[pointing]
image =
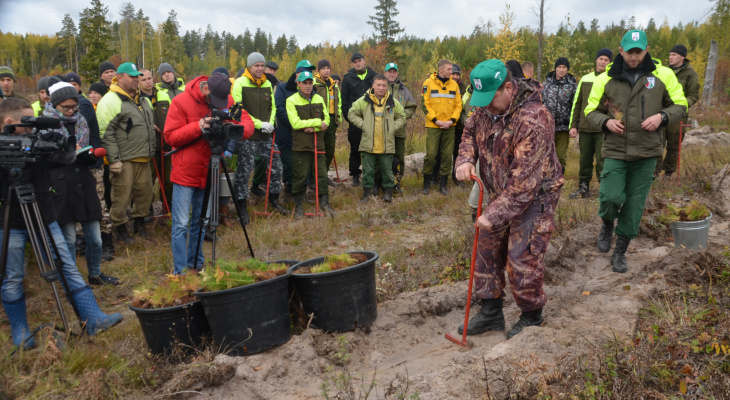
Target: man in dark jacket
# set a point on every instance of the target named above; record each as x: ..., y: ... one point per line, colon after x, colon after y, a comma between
x: 632, y: 104
x: 557, y: 94
x: 186, y: 122
x: 283, y: 127
x: 511, y: 134
x: 687, y: 77
x: 354, y: 85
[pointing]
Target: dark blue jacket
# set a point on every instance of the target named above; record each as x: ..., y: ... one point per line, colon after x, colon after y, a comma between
x: 283, y: 127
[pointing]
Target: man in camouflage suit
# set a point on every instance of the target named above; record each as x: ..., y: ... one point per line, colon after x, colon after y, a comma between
x: 511, y: 134
x: 255, y: 94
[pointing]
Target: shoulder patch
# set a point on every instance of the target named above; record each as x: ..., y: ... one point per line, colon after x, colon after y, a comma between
x: 425, y: 89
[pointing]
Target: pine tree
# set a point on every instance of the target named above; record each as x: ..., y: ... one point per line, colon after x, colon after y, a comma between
x: 383, y: 22
x: 94, y: 31
x: 67, y: 37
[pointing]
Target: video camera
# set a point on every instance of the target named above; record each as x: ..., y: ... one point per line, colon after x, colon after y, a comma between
x: 222, y: 130
x: 28, y: 147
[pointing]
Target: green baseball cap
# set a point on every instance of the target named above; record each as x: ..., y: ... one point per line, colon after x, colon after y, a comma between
x: 634, y: 39
x: 486, y: 78
x: 304, y: 76
x: 129, y: 69
x: 390, y: 66
x: 305, y: 64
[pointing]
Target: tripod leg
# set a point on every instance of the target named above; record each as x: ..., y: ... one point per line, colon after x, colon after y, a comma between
x: 238, y: 210
x: 201, y: 220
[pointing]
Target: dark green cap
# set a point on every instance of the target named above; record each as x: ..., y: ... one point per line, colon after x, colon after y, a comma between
x: 304, y: 76
x: 390, y: 66
x: 129, y: 69
x: 486, y: 78
x: 634, y: 39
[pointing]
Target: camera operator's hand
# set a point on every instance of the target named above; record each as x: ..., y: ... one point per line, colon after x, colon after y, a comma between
x: 205, y: 123
x: 227, y: 154
x: 308, y: 130
x: 267, y: 127
x: 54, y: 137
x: 116, y: 168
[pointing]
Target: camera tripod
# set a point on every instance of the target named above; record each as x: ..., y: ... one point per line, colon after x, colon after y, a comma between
x: 41, y: 241
x: 213, y: 187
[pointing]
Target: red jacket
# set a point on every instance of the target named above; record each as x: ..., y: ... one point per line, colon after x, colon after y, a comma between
x: 190, y: 165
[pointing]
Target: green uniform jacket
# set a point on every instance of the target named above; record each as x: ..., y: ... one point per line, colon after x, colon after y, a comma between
x: 258, y: 103
x: 399, y: 91
x: 126, y: 128
x: 687, y: 77
x: 466, y: 108
x: 179, y: 88
x: 580, y: 102
x: 306, y: 113
x: 37, y: 109
x: 656, y: 90
x: 362, y: 115
x: 321, y: 88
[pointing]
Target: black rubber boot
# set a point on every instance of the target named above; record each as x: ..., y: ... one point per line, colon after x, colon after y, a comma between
x: 324, y: 205
x: 107, y: 247
x: 605, y: 237
x: 139, y: 228
x: 365, y: 195
x: 298, y: 207
x: 276, y: 206
x: 442, y: 185
x: 426, y: 184
x: 243, y: 216
x: 618, y: 259
x: 530, y: 318
x: 123, y: 234
x: 355, y: 180
x: 582, y: 192
x: 490, y: 318
x: 388, y: 196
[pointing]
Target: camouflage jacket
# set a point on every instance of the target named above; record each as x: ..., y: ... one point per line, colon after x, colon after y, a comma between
x: 516, y: 152
x: 558, y: 97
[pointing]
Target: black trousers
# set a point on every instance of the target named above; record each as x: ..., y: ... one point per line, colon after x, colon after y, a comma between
x: 354, y: 134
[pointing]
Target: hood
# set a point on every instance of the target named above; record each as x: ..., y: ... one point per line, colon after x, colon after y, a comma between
x: 291, y: 84
x: 193, y: 89
x: 526, y: 92
x: 569, y: 78
x: 389, y: 102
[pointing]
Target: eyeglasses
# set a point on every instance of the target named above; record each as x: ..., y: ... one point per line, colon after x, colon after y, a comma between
x: 69, y: 108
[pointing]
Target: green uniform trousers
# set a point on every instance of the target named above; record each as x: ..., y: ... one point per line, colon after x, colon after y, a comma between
x: 400, y: 155
x: 133, y: 183
x: 590, y: 149
x: 330, y: 141
x: 303, y: 163
x: 439, y: 140
x: 561, y: 147
x: 624, y: 188
x: 377, y: 162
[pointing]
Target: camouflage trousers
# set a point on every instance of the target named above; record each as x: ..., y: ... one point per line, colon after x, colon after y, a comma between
x: 246, y: 150
x: 106, y: 223
x: 518, y: 248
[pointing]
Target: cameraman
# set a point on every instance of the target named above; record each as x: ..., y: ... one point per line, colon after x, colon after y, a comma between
x: 186, y: 122
x: 13, y: 298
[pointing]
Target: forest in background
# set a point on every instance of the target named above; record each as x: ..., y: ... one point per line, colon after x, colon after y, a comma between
x: 96, y: 36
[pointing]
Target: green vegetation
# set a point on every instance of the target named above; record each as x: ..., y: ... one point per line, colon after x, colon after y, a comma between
x: 334, y: 262
x: 231, y: 274
x: 172, y: 290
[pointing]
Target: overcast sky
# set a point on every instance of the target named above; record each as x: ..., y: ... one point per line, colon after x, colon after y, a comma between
x: 345, y: 20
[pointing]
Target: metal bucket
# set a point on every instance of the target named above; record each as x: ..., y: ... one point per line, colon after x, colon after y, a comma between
x: 225, y: 191
x: 691, y: 234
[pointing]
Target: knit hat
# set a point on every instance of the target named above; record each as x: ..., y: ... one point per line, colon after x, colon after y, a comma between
x: 562, y: 61
x: 222, y: 70
x: 272, y: 65
x: 679, y: 49
x: 61, y: 92
x: 605, y: 52
x: 6, y: 72
x: 254, y: 58
x: 98, y: 87
x: 455, y: 69
x: 42, y: 84
x: 75, y: 78
x: 165, y: 67
x: 323, y: 63
x: 106, y: 66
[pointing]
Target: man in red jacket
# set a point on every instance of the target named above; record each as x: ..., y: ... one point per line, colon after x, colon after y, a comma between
x: 189, y: 115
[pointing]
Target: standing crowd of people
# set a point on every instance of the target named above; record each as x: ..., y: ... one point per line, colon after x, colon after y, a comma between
x: 501, y: 125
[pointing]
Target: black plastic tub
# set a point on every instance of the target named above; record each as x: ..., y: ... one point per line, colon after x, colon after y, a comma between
x: 340, y: 300
x: 252, y: 318
x: 166, y: 328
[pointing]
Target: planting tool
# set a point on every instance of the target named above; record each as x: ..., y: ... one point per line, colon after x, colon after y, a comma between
x: 337, y: 171
x: 268, y: 176
x: 463, y: 342
x: 318, y: 212
x: 679, y: 155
